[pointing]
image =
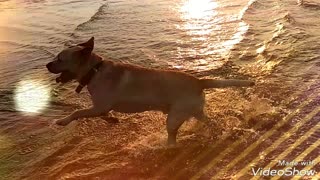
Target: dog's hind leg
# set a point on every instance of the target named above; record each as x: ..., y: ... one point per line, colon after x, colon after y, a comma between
x: 84, y: 113
x: 181, y: 111
x: 201, y: 116
x: 202, y: 122
x: 174, y: 121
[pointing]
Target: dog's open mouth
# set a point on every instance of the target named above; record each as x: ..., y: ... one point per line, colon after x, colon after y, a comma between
x: 65, y: 77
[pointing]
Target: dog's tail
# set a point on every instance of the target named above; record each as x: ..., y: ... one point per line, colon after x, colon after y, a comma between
x: 215, y: 83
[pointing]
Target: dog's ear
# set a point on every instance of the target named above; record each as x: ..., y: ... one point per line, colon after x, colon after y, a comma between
x: 88, y: 46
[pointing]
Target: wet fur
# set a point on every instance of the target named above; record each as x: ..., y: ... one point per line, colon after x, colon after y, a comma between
x: 130, y: 89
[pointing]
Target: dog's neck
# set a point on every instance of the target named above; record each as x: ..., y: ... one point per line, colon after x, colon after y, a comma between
x: 93, y: 65
x: 93, y: 60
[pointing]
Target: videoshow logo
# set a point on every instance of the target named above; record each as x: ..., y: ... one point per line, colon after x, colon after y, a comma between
x: 289, y: 169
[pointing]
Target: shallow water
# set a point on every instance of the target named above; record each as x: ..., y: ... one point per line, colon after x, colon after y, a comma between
x: 192, y: 36
x: 274, y: 42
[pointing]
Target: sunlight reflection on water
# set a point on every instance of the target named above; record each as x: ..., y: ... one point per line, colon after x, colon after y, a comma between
x: 198, y: 9
x: 238, y: 36
x: 202, y: 21
x: 198, y: 24
x: 31, y: 96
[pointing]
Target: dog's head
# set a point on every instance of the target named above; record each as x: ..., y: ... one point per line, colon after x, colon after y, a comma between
x: 71, y: 61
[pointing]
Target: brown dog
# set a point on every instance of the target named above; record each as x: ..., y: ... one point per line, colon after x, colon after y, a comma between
x: 129, y: 89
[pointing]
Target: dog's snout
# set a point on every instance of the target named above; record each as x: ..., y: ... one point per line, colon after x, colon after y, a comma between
x: 48, y: 65
x: 51, y: 68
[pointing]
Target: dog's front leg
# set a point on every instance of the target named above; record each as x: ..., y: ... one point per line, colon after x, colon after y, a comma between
x: 84, y: 113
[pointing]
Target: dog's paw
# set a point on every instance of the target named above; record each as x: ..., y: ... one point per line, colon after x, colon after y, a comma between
x: 112, y: 120
x: 53, y: 126
x: 63, y: 122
